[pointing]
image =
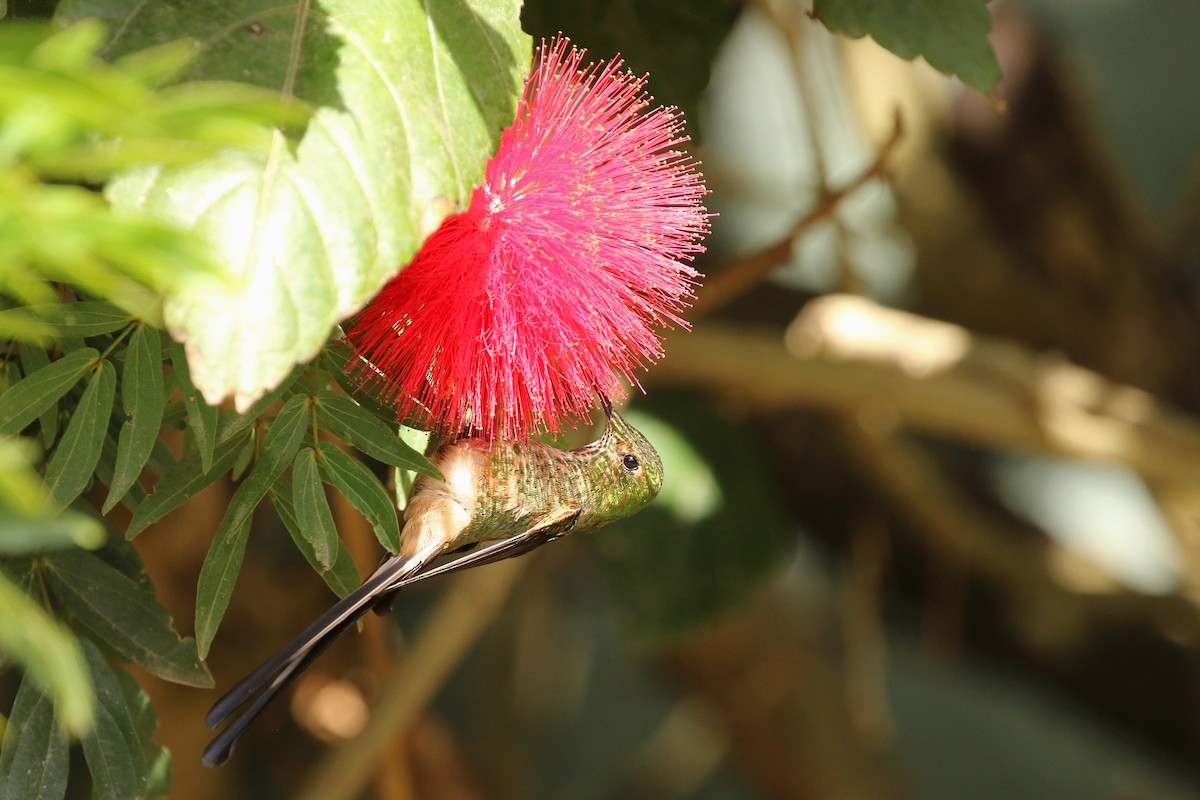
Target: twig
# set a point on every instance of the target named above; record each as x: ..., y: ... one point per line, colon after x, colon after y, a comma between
x: 847, y: 354
x: 739, y: 276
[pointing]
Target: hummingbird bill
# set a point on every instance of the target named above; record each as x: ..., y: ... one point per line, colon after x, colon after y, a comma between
x: 498, y: 499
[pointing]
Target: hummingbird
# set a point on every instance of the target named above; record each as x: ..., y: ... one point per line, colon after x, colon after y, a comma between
x: 498, y: 499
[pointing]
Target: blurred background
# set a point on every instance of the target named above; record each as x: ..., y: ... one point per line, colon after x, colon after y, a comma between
x: 931, y: 526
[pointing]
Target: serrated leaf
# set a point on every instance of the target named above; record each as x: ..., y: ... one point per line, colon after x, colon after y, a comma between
x: 674, y: 42
x: 202, y: 418
x: 124, y: 615
x: 182, y: 482
x: 48, y: 652
x: 343, y: 576
x: 121, y: 556
x: 224, y: 560
x: 33, y: 761
x: 716, y: 529
x: 74, y: 461
x: 142, y: 399
x: 34, y: 358
x: 86, y: 318
x: 411, y: 99
x: 312, y: 508
x: 356, y: 426
x: 950, y: 34
x: 364, y: 491
x: 113, y: 753
x: 27, y: 400
x: 156, y: 758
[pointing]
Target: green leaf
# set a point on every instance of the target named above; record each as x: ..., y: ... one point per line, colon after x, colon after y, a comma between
x: 182, y: 482
x: 21, y: 534
x: 124, y: 615
x: 27, y: 400
x: 74, y: 460
x: 113, y: 753
x: 411, y: 99
x: 202, y: 418
x: 157, y: 759
x: 676, y: 43
x: 34, y: 358
x: 33, y: 762
x: 716, y: 529
x: 312, y: 508
x: 364, y: 491
x: 950, y: 34
x: 219, y: 574
x: 142, y: 398
x: 224, y: 560
x: 342, y: 577
x: 48, y: 652
x: 87, y: 318
x: 107, y: 465
x: 231, y: 425
x: 356, y: 426
x: 121, y: 556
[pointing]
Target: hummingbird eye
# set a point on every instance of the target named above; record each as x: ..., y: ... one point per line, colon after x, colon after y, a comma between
x: 630, y: 462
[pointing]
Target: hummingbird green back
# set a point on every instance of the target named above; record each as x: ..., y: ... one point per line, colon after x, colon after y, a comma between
x: 505, y: 498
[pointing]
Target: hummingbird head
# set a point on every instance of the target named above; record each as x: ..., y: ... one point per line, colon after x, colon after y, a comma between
x: 631, y: 468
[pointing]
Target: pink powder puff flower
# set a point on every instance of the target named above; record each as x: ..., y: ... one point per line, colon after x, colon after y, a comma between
x: 550, y: 287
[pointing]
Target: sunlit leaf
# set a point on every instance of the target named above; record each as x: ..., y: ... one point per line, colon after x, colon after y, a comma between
x: 410, y: 98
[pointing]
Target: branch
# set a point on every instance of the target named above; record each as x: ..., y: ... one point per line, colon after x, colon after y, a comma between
x: 739, y: 276
x: 848, y: 354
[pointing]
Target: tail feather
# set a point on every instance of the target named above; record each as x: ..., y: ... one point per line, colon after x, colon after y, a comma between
x: 283, y: 667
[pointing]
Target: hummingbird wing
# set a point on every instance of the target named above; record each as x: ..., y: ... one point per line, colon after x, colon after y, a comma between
x: 274, y: 675
x: 554, y: 525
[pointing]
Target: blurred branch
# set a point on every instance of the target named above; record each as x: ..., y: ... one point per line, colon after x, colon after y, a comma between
x: 469, y: 604
x: 740, y: 275
x: 1034, y: 575
x: 770, y: 676
x: 891, y: 368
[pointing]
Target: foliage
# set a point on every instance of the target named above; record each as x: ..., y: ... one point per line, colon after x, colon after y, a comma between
x: 306, y: 233
x: 950, y: 34
x: 238, y: 223
x: 86, y: 396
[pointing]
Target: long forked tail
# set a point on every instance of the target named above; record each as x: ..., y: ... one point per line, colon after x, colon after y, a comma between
x: 282, y: 668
